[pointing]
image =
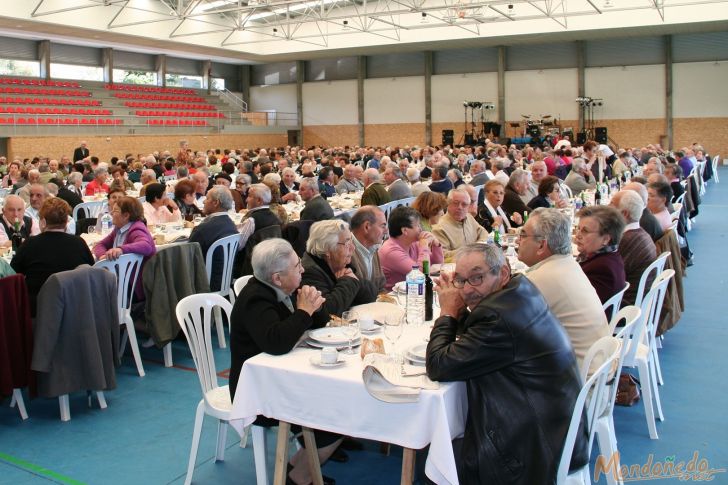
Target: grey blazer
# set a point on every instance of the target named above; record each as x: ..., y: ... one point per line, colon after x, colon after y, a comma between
x: 399, y: 190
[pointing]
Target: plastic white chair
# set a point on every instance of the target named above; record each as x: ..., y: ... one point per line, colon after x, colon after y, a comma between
x: 716, y: 160
x: 567, y: 189
x: 229, y: 247
x: 407, y: 202
x: 240, y: 284
x: 91, y: 209
x: 589, y: 403
x: 387, y: 208
x: 654, y: 340
x: 611, y: 306
x: 657, y: 265
x: 640, y: 355
x: 17, y: 398
x: 195, y: 317
x: 127, y: 269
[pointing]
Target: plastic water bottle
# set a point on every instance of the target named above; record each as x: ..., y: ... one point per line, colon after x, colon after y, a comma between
x: 415, y: 297
x: 106, y: 223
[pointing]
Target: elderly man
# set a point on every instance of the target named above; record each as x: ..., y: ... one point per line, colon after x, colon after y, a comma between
x: 226, y: 181
x: 216, y: 225
x: 545, y: 246
x: 496, y: 332
x: 417, y: 187
x: 397, y: 188
x: 289, y: 186
x: 350, y: 181
x: 477, y: 172
x: 98, y: 184
x: 636, y: 247
x: 15, y: 221
x: 458, y: 227
x: 368, y: 226
x: 580, y: 178
x: 538, y: 172
x: 440, y: 181
x: 38, y: 195
x: 148, y: 177
x: 374, y: 193
x: 202, y: 182
x: 81, y: 152
x: 515, y: 191
x: 648, y: 221
x: 259, y: 214
x: 317, y: 208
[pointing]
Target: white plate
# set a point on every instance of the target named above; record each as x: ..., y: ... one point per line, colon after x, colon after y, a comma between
x: 316, y: 362
x: 329, y: 335
x: 417, y: 352
x: 314, y: 343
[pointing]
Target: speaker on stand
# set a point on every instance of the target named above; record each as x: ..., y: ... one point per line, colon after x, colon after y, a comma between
x: 600, y: 135
x: 581, y: 138
x: 448, y: 137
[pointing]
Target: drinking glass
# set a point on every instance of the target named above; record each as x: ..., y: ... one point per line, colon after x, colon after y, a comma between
x: 393, y: 326
x: 91, y: 229
x: 350, y: 328
x: 197, y: 220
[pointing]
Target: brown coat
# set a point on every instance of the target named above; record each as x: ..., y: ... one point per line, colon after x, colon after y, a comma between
x: 375, y: 284
x: 674, y: 303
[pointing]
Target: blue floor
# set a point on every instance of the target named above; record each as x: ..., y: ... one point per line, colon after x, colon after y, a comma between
x: 144, y: 436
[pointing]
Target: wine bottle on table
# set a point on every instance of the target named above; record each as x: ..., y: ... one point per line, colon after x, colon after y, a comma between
x: 428, y: 290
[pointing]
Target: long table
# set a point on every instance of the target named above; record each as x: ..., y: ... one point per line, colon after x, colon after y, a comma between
x: 289, y: 388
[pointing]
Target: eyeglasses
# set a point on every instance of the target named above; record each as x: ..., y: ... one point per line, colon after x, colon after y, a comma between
x: 475, y: 280
x: 523, y: 235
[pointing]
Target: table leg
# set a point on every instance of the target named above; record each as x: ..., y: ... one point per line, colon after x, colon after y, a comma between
x: 313, y: 459
x: 408, y: 466
x: 284, y: 429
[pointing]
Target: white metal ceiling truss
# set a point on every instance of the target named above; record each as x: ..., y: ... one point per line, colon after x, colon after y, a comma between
x: 227, y: 23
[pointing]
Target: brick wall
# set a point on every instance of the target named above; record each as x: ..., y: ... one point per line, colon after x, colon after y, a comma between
x: 331, y: 135
x: 107, y: 147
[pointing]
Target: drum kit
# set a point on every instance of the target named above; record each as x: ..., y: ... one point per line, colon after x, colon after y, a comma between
x: 538, y: 128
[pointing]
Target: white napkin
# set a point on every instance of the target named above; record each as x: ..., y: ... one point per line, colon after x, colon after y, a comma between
x: 384, y: 381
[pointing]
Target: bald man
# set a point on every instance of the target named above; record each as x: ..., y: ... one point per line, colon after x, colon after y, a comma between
x: 14, y: 212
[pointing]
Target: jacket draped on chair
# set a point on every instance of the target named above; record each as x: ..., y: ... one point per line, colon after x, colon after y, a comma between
x: 674, y: 303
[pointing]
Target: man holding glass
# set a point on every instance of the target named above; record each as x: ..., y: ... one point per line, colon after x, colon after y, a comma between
x: 519, y: 368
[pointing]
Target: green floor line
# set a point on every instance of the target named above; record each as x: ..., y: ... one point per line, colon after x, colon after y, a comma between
x: 38, y: 470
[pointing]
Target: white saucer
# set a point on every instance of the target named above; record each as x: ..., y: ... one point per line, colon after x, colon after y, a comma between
x: 316, y: 362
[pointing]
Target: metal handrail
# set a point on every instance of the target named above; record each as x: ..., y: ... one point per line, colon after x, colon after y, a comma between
x: 233, y: 99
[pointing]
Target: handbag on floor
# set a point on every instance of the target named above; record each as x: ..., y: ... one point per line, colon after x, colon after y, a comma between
x: 628, y: 390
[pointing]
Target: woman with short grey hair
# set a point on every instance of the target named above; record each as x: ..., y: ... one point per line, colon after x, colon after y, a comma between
x: 327, y: 265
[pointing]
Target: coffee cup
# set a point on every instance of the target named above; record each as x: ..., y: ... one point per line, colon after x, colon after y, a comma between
x: 366, y: 322
x: 329, y: 355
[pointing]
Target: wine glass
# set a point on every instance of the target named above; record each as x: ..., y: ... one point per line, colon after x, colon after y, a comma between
x: 350, y: 328
x: 393, y: 326
x: 91, y: 229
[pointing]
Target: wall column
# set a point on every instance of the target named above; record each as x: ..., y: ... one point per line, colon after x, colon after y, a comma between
x: 107, y: 62
x: 245, y: 83
x: 300, y: 71
x: 428, y: 97
x: 44, y: 58
x: 207, y: 75
x: 580, y: 79
x: 502, y: 90
x: 161, y: 68
x: 668, y: 92
x: 361, y: 75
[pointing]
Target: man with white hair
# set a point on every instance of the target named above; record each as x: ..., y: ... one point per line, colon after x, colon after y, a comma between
x: 374, y: 193
x: 413, y: 175
x: 350, y: 181
x: 458, y: 227
x: 317, y: 208
x: 14, y: 220
x: 499, y: 166
x: 397, y: 188
x: 288, y: 186
x: 477, y: 172
x: 39, y: 193
x: 259, y: 214
x: 648, y: 221
x: 147, y: 177
x: 98, y: 184
x: 636, y: 247
x: 545, y: 246
x: 538, y: 172
x: 580, y: 177
x: 515, y: 191
x: 81, y: 152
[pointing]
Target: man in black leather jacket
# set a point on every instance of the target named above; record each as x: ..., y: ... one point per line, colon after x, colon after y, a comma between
x: 519, y: 367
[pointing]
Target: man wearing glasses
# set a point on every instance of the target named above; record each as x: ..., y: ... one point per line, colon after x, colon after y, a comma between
x: 545, y: 245
x: 497, y: 334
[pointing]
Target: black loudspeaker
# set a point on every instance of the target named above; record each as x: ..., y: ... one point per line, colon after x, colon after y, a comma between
x: 448, y: 137
x: 505, y: 141
x: 600, y: 135
x: 490, y: 127
x: 581, y: 138
x: 469, y: 139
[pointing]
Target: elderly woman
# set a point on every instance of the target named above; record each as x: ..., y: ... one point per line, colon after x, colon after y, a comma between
x: 184, y: 197
x: 74, y: 183
x: 407, y: 246
x: 658, y: 196
x: 98, y: 184
x: 549, y: 194
x: 580, y: 178
x: 674, y: 174
x: 456, y: 177
x: 327, y: 267
x: 158, y: 208
x: 276, y: 203
x: 51, y: 251
x: 13, y: 175
x: 431, y: 207
x: 490, y: 213
x: 129, y: 235
x: 597, y: 239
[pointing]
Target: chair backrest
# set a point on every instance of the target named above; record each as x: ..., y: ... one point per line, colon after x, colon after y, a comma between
x: 245, y: 256
x: 656, y: 268
x: 126, y: 269
x: 716, y: 159
x: 406, y: 202
x: 240, y: 284
x: 229, y: 247
x: 567, y: 189
x: 296, y: 233
x: 612, y: 305
x: 91, y: 209
x: 387, y: 208
x: 653, y: 318
x: 588, y: 401
x: 194, y: 314
x: 630, y: 315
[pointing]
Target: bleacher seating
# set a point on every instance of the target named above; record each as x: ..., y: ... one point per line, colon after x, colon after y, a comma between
x: 39, y: 82
x: 161, y: 97
x: 174, y: 122
x: 44, y: 91
x: 140, y: 104
x: 148, y: 89
x: 179, y: 114
x: 51, y: 101
x: 60, y: 121
x: 55, y: 111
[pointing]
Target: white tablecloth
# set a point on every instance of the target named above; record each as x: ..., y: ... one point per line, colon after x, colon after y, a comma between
x: 290, y: 388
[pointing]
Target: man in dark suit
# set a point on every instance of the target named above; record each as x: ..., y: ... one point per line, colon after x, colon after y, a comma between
x: 317, y: 209
x: 216, y: 225
x: 440, y: 182
x: 81, y: 152
x: 477, y: 171
x: 72, y: 198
